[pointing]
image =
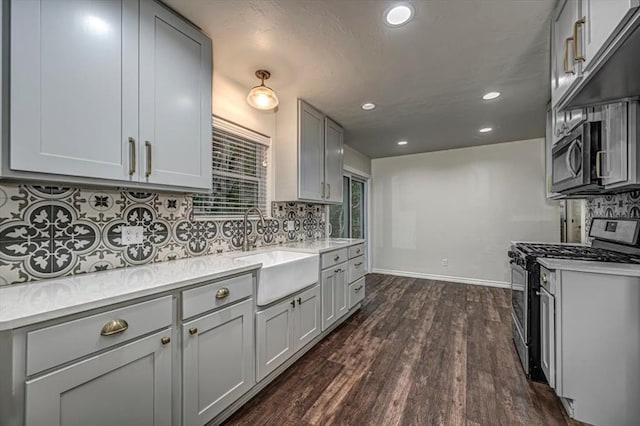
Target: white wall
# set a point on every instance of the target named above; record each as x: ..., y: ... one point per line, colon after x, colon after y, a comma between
x: 230, y: 103
x: 464, y: 205
x: 357, y: 160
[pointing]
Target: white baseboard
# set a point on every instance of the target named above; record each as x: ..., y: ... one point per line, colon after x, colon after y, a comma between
x: 460, y: 280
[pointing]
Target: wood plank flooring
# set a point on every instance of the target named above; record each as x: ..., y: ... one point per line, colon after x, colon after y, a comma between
x: 419, y: 352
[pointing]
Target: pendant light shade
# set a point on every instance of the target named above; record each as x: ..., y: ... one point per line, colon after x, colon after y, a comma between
x: 262, y: 97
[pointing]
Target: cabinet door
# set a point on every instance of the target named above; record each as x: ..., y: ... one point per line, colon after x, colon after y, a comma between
x: 310, y: 153
x: 175, y: 100
x: 547, y: 336
x: 612, y: 162
x: 601, y: 20
x: 307, y: 317
x: 130, y: 385
x: 74, y: 87
x: 342, y: 291
x: 564, y: 68
x: 218, y: 361
x: 333, y: 167
x: 274, y: 336
x: 328, y: 291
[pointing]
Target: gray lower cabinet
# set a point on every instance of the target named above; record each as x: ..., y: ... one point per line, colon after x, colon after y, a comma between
x: 218, y: 361
x: 547, y: 336
x: 98, y: 391
x: 284, y: 328
x: 335, y: 301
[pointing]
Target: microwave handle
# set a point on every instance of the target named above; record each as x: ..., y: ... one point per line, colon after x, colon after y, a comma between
x: 573, y: 171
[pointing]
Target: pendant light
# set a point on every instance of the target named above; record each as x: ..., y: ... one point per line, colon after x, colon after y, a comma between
x: 262, y: 97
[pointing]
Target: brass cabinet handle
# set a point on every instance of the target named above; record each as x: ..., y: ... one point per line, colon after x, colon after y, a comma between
x: 147, y: 145
x: 299, y: 301
x: 222, y: 293
x: 357, y: 289
x: 576, y: 24
x: 165, y: 340
x: 193, y: 330
x: 132, y: 156
x: 293, y: 303
x: 115, y: 326
x: 357, y: 264
x: 566, y: 56
x: 336, y: 258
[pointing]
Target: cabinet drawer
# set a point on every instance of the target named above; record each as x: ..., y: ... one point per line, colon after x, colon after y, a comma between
x: 216, y: 295
x: 334, y: 257
x: 356, y: 292
x: 356, y: 268
x: 356, y: 251
x: 65, y: 342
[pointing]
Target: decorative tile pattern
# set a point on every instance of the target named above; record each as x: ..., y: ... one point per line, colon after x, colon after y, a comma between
x: 625, y: 205
x: 48, y: 232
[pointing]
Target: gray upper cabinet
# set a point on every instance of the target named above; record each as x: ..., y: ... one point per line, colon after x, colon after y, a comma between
x: 112, y: 92
x: 98, y: 391
x: 334, y: 141
x: 309, y: 154
x: 565, y: 70
x: 598, y: 22
x: 74, y: 87
x: 311, y: 184
x: 175, y: 99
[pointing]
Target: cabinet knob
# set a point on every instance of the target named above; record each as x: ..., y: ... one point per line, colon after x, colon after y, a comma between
x: 544, y: 277
x: 165, y: 340
x: 336, y: 258
x: 115, y: 326
x: 222, y: 293
x: 193, y: 331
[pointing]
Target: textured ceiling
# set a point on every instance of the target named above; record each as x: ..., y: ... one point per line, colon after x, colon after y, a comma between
x: 427, y: 78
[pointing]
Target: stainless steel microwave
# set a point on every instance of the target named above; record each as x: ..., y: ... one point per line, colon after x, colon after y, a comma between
x: 574, y: 158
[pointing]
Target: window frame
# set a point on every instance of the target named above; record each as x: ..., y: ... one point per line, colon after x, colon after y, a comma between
x: 256, y: 137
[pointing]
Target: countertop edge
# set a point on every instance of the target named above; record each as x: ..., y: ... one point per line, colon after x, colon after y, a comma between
x: 594, y: 267
x: 25, y: 321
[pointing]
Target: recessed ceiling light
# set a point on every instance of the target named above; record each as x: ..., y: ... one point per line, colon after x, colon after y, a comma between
x: 490, y: 95
x: 399, y: 15
x: 485, y: 129
x: 402, y: 142
x: 368, y: 106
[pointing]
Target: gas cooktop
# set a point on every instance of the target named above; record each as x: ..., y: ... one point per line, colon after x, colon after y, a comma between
x: 575, y: 252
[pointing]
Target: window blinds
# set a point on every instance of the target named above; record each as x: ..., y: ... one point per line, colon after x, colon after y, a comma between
x: 239, y: 166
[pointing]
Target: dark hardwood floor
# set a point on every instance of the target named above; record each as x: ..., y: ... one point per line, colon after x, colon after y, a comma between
x: 419, y: 352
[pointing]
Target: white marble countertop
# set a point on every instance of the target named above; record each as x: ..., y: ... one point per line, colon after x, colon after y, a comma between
x: 588, y: 266
x: 30, y: 303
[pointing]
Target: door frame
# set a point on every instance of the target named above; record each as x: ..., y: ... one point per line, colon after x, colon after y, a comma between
x: 353, y: 173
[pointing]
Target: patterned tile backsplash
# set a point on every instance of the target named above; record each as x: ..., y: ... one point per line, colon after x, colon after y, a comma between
x: 48, y: 232
x: 615, y: 205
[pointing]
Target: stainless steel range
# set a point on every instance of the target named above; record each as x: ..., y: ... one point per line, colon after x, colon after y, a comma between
x: 614, y: 240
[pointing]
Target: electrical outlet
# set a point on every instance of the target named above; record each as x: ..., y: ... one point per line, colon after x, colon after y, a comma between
x: 132, y: 235
x: 445, y: 262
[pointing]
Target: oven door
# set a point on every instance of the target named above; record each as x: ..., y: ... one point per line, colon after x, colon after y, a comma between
x: 519, y: 298
x: 571, y: 162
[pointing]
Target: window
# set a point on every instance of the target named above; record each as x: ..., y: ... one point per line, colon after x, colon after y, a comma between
x: 347, y: 220
x: 239, y: 172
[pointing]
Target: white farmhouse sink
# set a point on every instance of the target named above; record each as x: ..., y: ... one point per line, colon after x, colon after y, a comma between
x: 283, y: 273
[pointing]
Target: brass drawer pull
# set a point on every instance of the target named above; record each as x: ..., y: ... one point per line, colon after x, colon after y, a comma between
x: 114, y: 326
x: 165, y: 340
x: 335, y: 259
x: 193, y: 331
x: 357, y: 289
x: 357, y: 264
x: 222, y: 293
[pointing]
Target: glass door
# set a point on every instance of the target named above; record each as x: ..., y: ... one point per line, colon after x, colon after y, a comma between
x: 349, y: 219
